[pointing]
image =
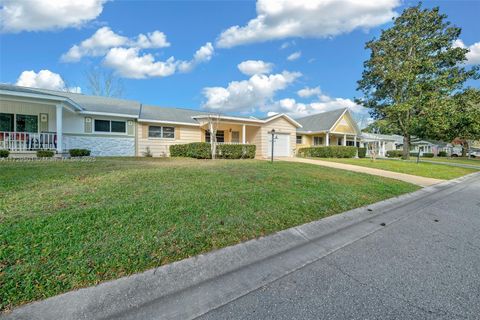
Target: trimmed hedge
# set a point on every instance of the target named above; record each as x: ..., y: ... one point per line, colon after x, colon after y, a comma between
x: 442, y: 153
x: 394, y: 153
x: 79, y: 152
x: 413, y: 154
x: 328, y: 152
x: 202, y: 150
x: 362, y: 152
x: 427, y: 155
x: 45, y: 153
x: 4, y: 153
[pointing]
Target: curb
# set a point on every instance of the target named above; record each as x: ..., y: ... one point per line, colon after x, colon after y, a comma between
x: 189, y: 288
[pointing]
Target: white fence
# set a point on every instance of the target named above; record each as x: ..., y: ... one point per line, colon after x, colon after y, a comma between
x: 27, y: 141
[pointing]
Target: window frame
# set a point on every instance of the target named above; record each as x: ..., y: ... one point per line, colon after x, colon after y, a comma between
x: 12, y: 121
x: 162, y: 134
x: 207, y: 132
x: 26, y: 115
x: 109, y: 127
x: 237, y: 139
x: 321, y: 141
x: 301, y: 139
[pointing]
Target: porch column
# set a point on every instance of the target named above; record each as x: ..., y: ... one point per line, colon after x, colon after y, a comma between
x: 59, y: 118
x: 383, y: 148
x: 355, y: 145
x: 244, y: 133
x: 327, y: 139
x: 344, y: 140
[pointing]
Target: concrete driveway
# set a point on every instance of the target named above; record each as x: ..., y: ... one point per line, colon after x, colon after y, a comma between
x: 420, y: 181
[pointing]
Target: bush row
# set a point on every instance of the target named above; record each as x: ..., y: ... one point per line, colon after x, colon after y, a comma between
x: 328, y: 152
x: 427, y: 155
x: 45, y: 153
x: 442, y: 153
x: 394, y: 153
x: 202, y: 150
x: 79, y: 152
x: 362, y: 152
x: 4, y: 153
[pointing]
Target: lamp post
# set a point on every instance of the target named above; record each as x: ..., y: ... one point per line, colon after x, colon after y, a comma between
x: 273, y: 141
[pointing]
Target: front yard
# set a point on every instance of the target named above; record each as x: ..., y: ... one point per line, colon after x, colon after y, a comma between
x: 423, y: 169
x: 67, y: 225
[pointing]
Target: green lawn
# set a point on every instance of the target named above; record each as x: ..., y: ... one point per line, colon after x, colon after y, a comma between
x: 422, y: 169
x: 474, y: 162
x: 66, y: 225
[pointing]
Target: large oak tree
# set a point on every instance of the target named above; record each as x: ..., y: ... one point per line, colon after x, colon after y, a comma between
x: 413, y: 65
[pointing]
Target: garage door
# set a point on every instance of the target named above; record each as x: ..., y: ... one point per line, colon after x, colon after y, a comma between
x: 281, y: 145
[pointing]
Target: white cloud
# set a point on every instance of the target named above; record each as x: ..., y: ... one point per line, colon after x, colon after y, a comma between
x: 294, y: 56
x: 204, y: 54
x: 308, y: 92
x: 279, y: 19
x: 247, y: 95
x: 297, y: 109
x: 129, y: 63
x: 473, y: 56
x: 38, y: 15
x: 251, y: 67
x: 104, y: 39
x: 44, y: 79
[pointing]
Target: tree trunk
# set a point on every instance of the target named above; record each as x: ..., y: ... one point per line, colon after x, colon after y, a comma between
x: 464, y: 148
x: 406, y: 147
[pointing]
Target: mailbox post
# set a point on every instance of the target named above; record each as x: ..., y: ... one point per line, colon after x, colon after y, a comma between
x: 273, y: 141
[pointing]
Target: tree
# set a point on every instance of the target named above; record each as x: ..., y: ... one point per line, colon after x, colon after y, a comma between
x: 412, y: 66
x: 457, y: 118
x: 212, y: 122
x: 382, y: 126
x: 104, y: 83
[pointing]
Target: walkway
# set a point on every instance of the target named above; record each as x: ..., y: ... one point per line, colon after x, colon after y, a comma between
x: 420, y: 181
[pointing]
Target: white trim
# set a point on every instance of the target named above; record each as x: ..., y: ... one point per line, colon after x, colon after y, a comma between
x: 109, y: 114
x: 298, y: 125
x: 352, y: 122
x: 40, y: 96
x: 170, y: 122
x: 110, y: 127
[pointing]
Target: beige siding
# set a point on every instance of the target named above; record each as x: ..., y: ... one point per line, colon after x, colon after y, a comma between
x: 281, y: 125
x: 344, y: 125
x: 160, y: 147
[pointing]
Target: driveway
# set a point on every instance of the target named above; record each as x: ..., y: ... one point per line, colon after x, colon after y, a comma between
x: 420, y: 181
x: 426, y: 266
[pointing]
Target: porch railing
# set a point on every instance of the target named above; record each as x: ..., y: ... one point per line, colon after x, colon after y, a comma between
x: 232, y: 143
x: 27, y: 141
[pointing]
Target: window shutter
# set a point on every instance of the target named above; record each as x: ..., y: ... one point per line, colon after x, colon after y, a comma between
x: 88, y: 125
x: 43, y: 122
x: 177, y: 133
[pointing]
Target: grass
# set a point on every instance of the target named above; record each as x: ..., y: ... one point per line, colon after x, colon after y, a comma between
x: 67, y: 225
x: 475, y: 161
x: 423, y: 169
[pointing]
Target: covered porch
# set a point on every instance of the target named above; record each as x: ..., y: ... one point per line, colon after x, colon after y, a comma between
x: 325, y: 139
x: 229, y: 132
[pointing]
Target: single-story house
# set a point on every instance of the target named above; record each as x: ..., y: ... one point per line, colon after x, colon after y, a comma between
x: 381, y: 142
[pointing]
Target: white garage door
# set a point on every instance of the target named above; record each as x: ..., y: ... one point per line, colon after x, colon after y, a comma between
x: 281, y: 146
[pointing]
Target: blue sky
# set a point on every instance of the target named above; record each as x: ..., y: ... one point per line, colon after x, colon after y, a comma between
x: 330, y: 49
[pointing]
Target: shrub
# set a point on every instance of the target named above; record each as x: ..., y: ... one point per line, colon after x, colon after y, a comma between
x: 4, y: 153
x: 79, y: 152
x: 442, y: 153
x: 45, y: 153
x: 362, y: 152
x: 394, y: 153
x: 328, y: 152
x: 413, y: 154
x: 202, y: 150
x: 427, y: 155
x: 148, y: 153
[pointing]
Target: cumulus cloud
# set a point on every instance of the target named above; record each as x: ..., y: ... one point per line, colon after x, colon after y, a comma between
x: 294, y: 56
x: 131, y: 63
x: 309, y: 92
x: 44, y: 79
x: 38, y: 15
x: 251, y: 67
x: 204, y: 54
x: 104, y: 39
x: 297, y: 109
x: 279, y: 19
x: 473, y: 56
x: 247, y: 95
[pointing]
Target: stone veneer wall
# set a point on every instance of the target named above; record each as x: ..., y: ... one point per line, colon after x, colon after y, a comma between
x: 101, y: 146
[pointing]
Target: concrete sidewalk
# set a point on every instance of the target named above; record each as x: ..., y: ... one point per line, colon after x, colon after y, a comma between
x: 420, y: 181
x: 189, y: 288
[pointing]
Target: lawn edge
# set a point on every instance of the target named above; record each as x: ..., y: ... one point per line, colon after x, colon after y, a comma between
x: 178, y: 289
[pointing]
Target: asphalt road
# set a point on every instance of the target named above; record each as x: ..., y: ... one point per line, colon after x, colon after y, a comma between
x: 426, y: 266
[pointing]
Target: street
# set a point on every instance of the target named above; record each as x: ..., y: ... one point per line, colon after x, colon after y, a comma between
x: 426, y: 266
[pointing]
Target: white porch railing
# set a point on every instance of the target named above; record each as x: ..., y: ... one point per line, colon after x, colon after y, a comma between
x: 27, y: 141
x: 232, y: 143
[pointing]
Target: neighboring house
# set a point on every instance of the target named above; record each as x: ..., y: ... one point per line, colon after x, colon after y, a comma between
x: 32, y: 119
x: 332, y: 128
x: 381, y: 142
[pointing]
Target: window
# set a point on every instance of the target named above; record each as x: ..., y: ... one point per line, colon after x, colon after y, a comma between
x: 317, y: 141
x: 235, y: 136
x: 299, y: 139
x: 110, y: 126
x: 161, y: 132
x: 220, y: 136
x: 350, y: 143
x: 27, y: 123
x: 118, y: 126
x: 6, y: 122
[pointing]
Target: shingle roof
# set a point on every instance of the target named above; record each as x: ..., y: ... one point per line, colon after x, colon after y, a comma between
x: 88, y: 103
x: 149, y: 112
x: 320, y: 121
